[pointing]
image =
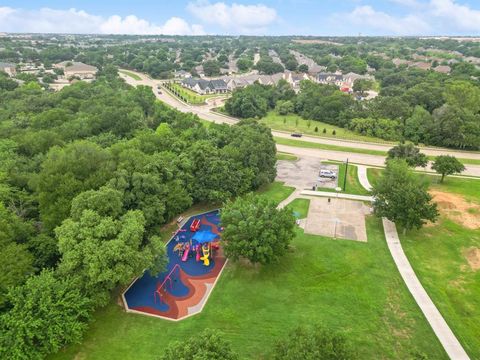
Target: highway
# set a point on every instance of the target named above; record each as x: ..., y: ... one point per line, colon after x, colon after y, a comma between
x: 204, y: 112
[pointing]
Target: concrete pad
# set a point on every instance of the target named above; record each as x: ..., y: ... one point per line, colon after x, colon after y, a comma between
x: 341, y: 218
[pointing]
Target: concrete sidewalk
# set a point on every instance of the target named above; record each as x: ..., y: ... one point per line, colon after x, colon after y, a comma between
x: 447, y: 338
x: 363, y: 178
x: 336, y: 195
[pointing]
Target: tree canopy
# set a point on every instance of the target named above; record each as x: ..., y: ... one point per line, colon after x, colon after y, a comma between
x: 402, y: 197
x: 256, y: 230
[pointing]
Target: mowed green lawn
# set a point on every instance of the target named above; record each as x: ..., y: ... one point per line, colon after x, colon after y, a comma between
x: 295, y: 123
x: 131, y: 74
x: 438, y: 256
x: 352, y: 184
x: 345, y: 285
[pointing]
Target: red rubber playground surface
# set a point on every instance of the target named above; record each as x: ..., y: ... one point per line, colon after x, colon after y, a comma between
x: 183, y: 289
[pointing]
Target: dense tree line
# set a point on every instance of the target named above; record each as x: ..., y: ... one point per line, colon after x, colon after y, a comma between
x: 87, y: 177
x: 441, y: 112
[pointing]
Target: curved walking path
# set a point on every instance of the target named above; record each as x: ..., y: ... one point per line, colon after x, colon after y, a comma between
x: 440, y: 327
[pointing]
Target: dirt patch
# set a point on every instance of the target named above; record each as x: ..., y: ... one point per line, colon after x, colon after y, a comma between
x: 457, y: 209
x: 473, y: 258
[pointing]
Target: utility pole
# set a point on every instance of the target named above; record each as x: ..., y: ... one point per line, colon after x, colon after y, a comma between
x: 345, y: 178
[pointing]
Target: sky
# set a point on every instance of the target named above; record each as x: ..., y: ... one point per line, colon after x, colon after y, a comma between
x: 243, y: 17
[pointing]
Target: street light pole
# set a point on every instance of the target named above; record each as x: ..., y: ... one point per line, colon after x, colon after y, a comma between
x: 345, y: 178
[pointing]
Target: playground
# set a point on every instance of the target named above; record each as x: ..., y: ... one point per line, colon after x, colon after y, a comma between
x: 195, y: 261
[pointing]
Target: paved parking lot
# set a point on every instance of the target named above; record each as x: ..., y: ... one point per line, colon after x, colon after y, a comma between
x: 327, y: 182
x: 303, y: 173
x: 339, y: 218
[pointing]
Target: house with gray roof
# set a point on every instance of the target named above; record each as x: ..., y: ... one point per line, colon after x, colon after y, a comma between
x: 77, y: 69
x: 8, y: 68
x: 204, y: 87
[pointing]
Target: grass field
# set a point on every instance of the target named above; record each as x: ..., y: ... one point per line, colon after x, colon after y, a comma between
x: 437, y: 253
x: 312, y: 145
x: 353, y: 185
x: 276, y: 191
x: 345, y: 285
x: 188, y: 95
x: 131, y: 74
x: 299, y: 207
x: 469, y: 188
x: 295, y: 123
x: 286, y: 156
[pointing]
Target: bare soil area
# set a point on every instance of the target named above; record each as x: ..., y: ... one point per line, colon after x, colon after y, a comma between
x: 473, y: 257
x: 457, y: 209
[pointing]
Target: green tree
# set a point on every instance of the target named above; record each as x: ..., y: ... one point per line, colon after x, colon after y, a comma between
x: 313, y: 343
x: 211, y: 68
x: 402, y: 197
x: 409, y: 153
x: 284, y: 107
x: 46, y: 314
x: 447, y: 165
x: 65, y: 173
x: 101, y: 253
x: 362, y: 85
x: 208, y: 345
x: 303, y: 68
x: 256, y: 230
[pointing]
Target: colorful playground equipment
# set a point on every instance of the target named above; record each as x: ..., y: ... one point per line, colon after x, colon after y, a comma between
x: 195, y: 225
x: 206, y: 254
x: 163, y: 286
x: 186, y: 251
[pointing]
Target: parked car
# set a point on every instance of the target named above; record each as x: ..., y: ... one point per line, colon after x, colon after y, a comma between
x: 325, y: 173
x: 296, y: 135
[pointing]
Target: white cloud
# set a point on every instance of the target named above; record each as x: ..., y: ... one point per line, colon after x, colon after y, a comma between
x: 370, y: 21
x: 48, y: 20
x: 433, y: 17
x: 409, y: 3
x: 460, y: 16
x: 235, y: 18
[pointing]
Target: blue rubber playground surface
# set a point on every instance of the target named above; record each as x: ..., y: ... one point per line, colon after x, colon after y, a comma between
x: 141, y: 295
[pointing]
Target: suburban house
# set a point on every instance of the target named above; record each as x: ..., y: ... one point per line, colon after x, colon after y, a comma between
x: 294, y: 79
x: 77, y: 69
x: 204, y: 87
x: 181, y: 74
x: 422, y: 65
x: 8, y: 68
x: 344, y: 82
x: 444, y: 69
x: 330, y: 79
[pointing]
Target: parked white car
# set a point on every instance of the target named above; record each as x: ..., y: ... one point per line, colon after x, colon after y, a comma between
x: 325, y: 173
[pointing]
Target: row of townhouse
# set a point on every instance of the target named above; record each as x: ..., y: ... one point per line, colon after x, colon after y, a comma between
x: 230, y: 83
x: 343, y: 81
x: 205, y: 87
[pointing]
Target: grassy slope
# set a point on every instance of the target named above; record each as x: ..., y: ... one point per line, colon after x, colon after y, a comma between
x: 436, y: 254
x: 276, y: 191
x: 348, y: 286
x: 131, y: 74
x: 312, y: 145
x: 275, y: 121
x: 353, y: 185
x: 299, y: 206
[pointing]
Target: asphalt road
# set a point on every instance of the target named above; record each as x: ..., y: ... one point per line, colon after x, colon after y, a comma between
x: 205, y: 113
